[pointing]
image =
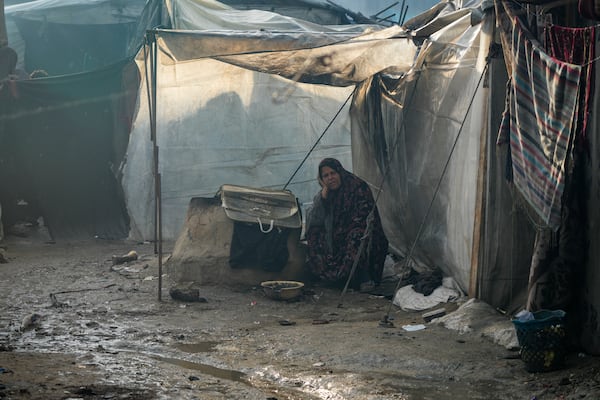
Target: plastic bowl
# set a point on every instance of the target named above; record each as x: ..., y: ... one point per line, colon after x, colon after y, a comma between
x: 282, y: 290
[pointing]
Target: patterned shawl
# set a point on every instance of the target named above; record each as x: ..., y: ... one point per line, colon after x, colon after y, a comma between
x: 342, y: 228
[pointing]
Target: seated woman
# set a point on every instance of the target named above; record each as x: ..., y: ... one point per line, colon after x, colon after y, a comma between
x: 336, y: 225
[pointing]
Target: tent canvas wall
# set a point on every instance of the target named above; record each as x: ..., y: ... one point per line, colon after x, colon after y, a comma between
x: 424, y: 130
x: 235, y: 107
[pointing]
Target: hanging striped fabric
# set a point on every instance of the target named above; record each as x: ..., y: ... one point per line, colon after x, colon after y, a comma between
x: 539, y: 121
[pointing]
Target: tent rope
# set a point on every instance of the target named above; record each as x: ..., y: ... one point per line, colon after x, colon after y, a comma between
x: 320, y: 137
x: 148, y: 84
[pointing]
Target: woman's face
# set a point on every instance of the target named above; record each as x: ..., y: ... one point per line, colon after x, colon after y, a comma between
x: 331, y: 178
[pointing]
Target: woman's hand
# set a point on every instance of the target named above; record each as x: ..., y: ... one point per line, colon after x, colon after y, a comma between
x: 324, y: 189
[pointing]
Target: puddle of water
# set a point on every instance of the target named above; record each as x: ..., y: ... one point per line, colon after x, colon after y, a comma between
x: 220, y: 373
x: 202, y: 347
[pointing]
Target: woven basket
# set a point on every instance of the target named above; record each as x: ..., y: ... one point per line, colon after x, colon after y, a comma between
x: 542, y: 340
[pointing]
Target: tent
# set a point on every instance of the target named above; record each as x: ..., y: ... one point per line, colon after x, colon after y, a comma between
x: 189, y: 62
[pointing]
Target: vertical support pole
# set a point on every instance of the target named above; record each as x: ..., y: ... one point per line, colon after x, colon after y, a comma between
x: 158, y: 185
x: 151, y: 41
x: 153, y: 138
x: 160, y: 255
x: 479, y: 219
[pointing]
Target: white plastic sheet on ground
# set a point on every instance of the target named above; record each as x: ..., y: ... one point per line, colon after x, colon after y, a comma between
x: 409, y: 300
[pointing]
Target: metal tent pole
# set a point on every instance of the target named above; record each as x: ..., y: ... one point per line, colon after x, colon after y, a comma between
x: 151, y: 42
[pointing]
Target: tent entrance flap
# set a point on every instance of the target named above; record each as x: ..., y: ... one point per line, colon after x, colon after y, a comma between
x: 267, y: 207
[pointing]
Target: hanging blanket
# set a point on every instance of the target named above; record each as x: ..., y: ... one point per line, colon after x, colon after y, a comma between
x: 539, y: 118
x: 576, y: 46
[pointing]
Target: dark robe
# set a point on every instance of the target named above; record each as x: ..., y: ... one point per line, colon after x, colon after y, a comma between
x: 337, y: 225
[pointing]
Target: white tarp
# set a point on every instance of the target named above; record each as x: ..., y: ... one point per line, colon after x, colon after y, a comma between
x: 209, y: 14
x: 218, y: 124
x: 224, y: 123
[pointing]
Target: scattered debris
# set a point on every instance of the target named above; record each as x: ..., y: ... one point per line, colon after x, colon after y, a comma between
x: 386, y: 322
x: 31, y: 321
x: 6, y: 347
x: 439, y: 312
x: 187, y: 295
x: 84, y: 289
x: 56, y: 302
x: 412, y: 328
x: 131, y: 256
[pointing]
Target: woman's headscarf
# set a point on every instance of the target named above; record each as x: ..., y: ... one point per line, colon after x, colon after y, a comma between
x: 333, y: 164
x: 350, y: 183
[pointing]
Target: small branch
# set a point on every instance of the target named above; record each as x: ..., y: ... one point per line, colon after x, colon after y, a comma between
x: 84, y: 290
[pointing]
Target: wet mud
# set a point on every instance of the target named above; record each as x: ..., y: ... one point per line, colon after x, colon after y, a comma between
x: 102, y: 333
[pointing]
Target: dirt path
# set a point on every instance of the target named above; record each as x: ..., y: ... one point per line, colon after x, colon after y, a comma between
x: 103, y: 334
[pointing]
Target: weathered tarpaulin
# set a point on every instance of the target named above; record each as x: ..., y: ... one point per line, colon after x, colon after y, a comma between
x: 423, y: 131
x: 71, y: 36
x: 338, y: 59
x: 238, y: 107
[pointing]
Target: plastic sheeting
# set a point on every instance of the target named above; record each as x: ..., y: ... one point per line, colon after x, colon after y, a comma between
x: 206, y: 14
x: 313, y: 58
x: 218, y: 124
x: 71, y: 36
x: 221, y: 121
x: 424, y: 132
x: 62, y: 138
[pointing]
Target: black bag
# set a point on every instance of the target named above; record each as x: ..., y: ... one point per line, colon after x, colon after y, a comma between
x: 251, y: 248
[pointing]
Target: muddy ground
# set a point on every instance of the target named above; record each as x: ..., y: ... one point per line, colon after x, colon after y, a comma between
x: 103, y: 334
